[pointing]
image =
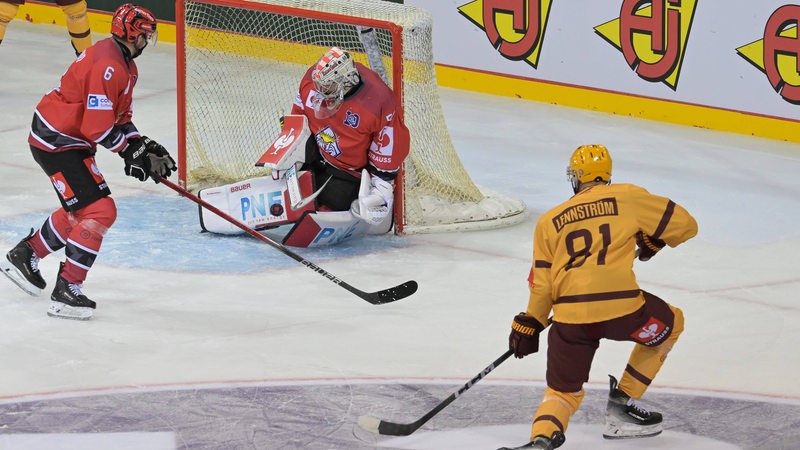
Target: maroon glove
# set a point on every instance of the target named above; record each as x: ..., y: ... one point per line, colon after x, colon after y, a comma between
x: 648, y: 246
x: 524, y: 338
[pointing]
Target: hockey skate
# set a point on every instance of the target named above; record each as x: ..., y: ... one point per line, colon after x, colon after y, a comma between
x: 68, y: 302
x: 625, y: 419
x: 541, y: 443
x: 22, y: 267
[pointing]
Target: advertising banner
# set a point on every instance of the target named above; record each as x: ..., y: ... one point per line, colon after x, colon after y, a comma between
x: 739, y: 56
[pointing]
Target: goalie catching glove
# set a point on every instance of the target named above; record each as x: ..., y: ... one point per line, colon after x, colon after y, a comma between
x: 146, y: 158
x: 648, y: 246
x: 375, y: 199
x: 524, y: 337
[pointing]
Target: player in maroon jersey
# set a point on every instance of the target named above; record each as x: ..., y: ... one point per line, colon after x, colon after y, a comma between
x: 74, y: 11
x: 90, y: 106
x: 354, y: 121
x: 582, y: 274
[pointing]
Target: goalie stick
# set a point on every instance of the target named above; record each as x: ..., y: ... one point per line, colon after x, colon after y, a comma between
x: 377, y: 426
x: 295, y: 197
x: 376, y: 298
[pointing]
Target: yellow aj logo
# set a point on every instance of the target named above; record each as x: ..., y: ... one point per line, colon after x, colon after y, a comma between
x: 778, y: 53
x: 653, y: 37
x: 515, y: 28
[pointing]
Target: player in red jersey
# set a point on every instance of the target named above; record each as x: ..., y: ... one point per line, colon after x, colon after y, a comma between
x: 90, y: 106
x: 354, y: 122
x: 74, y: 11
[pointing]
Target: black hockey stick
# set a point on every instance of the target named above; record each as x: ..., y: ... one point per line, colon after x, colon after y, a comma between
x: 376, y: 298
x: 377, y: 426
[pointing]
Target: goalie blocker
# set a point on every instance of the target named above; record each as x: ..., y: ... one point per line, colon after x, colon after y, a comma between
x: 287, y: 197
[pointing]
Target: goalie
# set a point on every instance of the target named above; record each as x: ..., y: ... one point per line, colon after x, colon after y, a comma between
x: 334, y: 163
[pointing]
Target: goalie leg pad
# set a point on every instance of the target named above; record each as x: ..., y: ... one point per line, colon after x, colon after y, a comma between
x: 321, y: 229
x: 258, y: 203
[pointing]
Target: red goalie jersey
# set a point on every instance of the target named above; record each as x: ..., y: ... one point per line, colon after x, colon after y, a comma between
x: 364, y: 131
x: 91, y: 105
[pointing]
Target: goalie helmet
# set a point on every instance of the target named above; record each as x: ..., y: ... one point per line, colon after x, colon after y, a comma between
x: 131, y: 21
x: 334, y: 75
x: 589, y: 163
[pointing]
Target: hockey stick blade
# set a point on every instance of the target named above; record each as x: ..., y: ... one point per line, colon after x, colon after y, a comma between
x: 376, y: 298
x: 377, y: 426
x: 398, y: 292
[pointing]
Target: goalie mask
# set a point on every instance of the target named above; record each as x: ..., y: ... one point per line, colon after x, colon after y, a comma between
x: 589, y: 163
x: 334, y: 75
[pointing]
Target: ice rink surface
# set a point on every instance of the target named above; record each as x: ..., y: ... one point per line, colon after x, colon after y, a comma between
x: 209, y: 342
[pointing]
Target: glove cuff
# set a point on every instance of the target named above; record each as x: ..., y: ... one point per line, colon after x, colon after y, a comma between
x: 133, y: 144
x: 526, y: 325
x: 654, y: 244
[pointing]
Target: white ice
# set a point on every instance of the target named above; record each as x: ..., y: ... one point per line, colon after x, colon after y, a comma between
x: 176, y: 307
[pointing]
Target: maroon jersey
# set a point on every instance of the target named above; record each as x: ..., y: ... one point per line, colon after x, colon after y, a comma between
x: 364, y: 131
x: 91, y: 105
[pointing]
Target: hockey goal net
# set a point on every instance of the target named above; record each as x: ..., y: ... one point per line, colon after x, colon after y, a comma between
x: 240, y: 64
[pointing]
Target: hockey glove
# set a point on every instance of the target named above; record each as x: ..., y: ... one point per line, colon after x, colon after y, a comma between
x: 648, y: 246
x: 137, y: 164
x: 524, y: 338
x: 161, y: 163
x: 374, y: 203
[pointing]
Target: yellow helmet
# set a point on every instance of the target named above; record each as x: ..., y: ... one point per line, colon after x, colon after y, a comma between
x: 589, y: 163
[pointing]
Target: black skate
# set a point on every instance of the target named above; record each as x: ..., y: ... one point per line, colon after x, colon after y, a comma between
x: 625, y: 419
x: 541, y: 443
x: 22, y: 267
x: 68, y: 301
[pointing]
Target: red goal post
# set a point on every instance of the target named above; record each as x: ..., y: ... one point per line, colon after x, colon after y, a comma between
x: 240, y: 62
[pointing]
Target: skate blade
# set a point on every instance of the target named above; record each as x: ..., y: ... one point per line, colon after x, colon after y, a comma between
x: 13, y: 274
x: 614, y: 432
x: 64, y: 311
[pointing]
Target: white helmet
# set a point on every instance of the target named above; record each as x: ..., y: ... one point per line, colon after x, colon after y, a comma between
x: 333, y: 76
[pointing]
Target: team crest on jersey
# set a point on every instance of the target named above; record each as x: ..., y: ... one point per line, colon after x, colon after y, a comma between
x: 352, y: 119
x: 328, y: 142
x: 99, y: 102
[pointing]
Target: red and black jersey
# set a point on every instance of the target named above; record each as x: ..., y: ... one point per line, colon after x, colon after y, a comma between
x: 91, y: 105
x: 365, y: 132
